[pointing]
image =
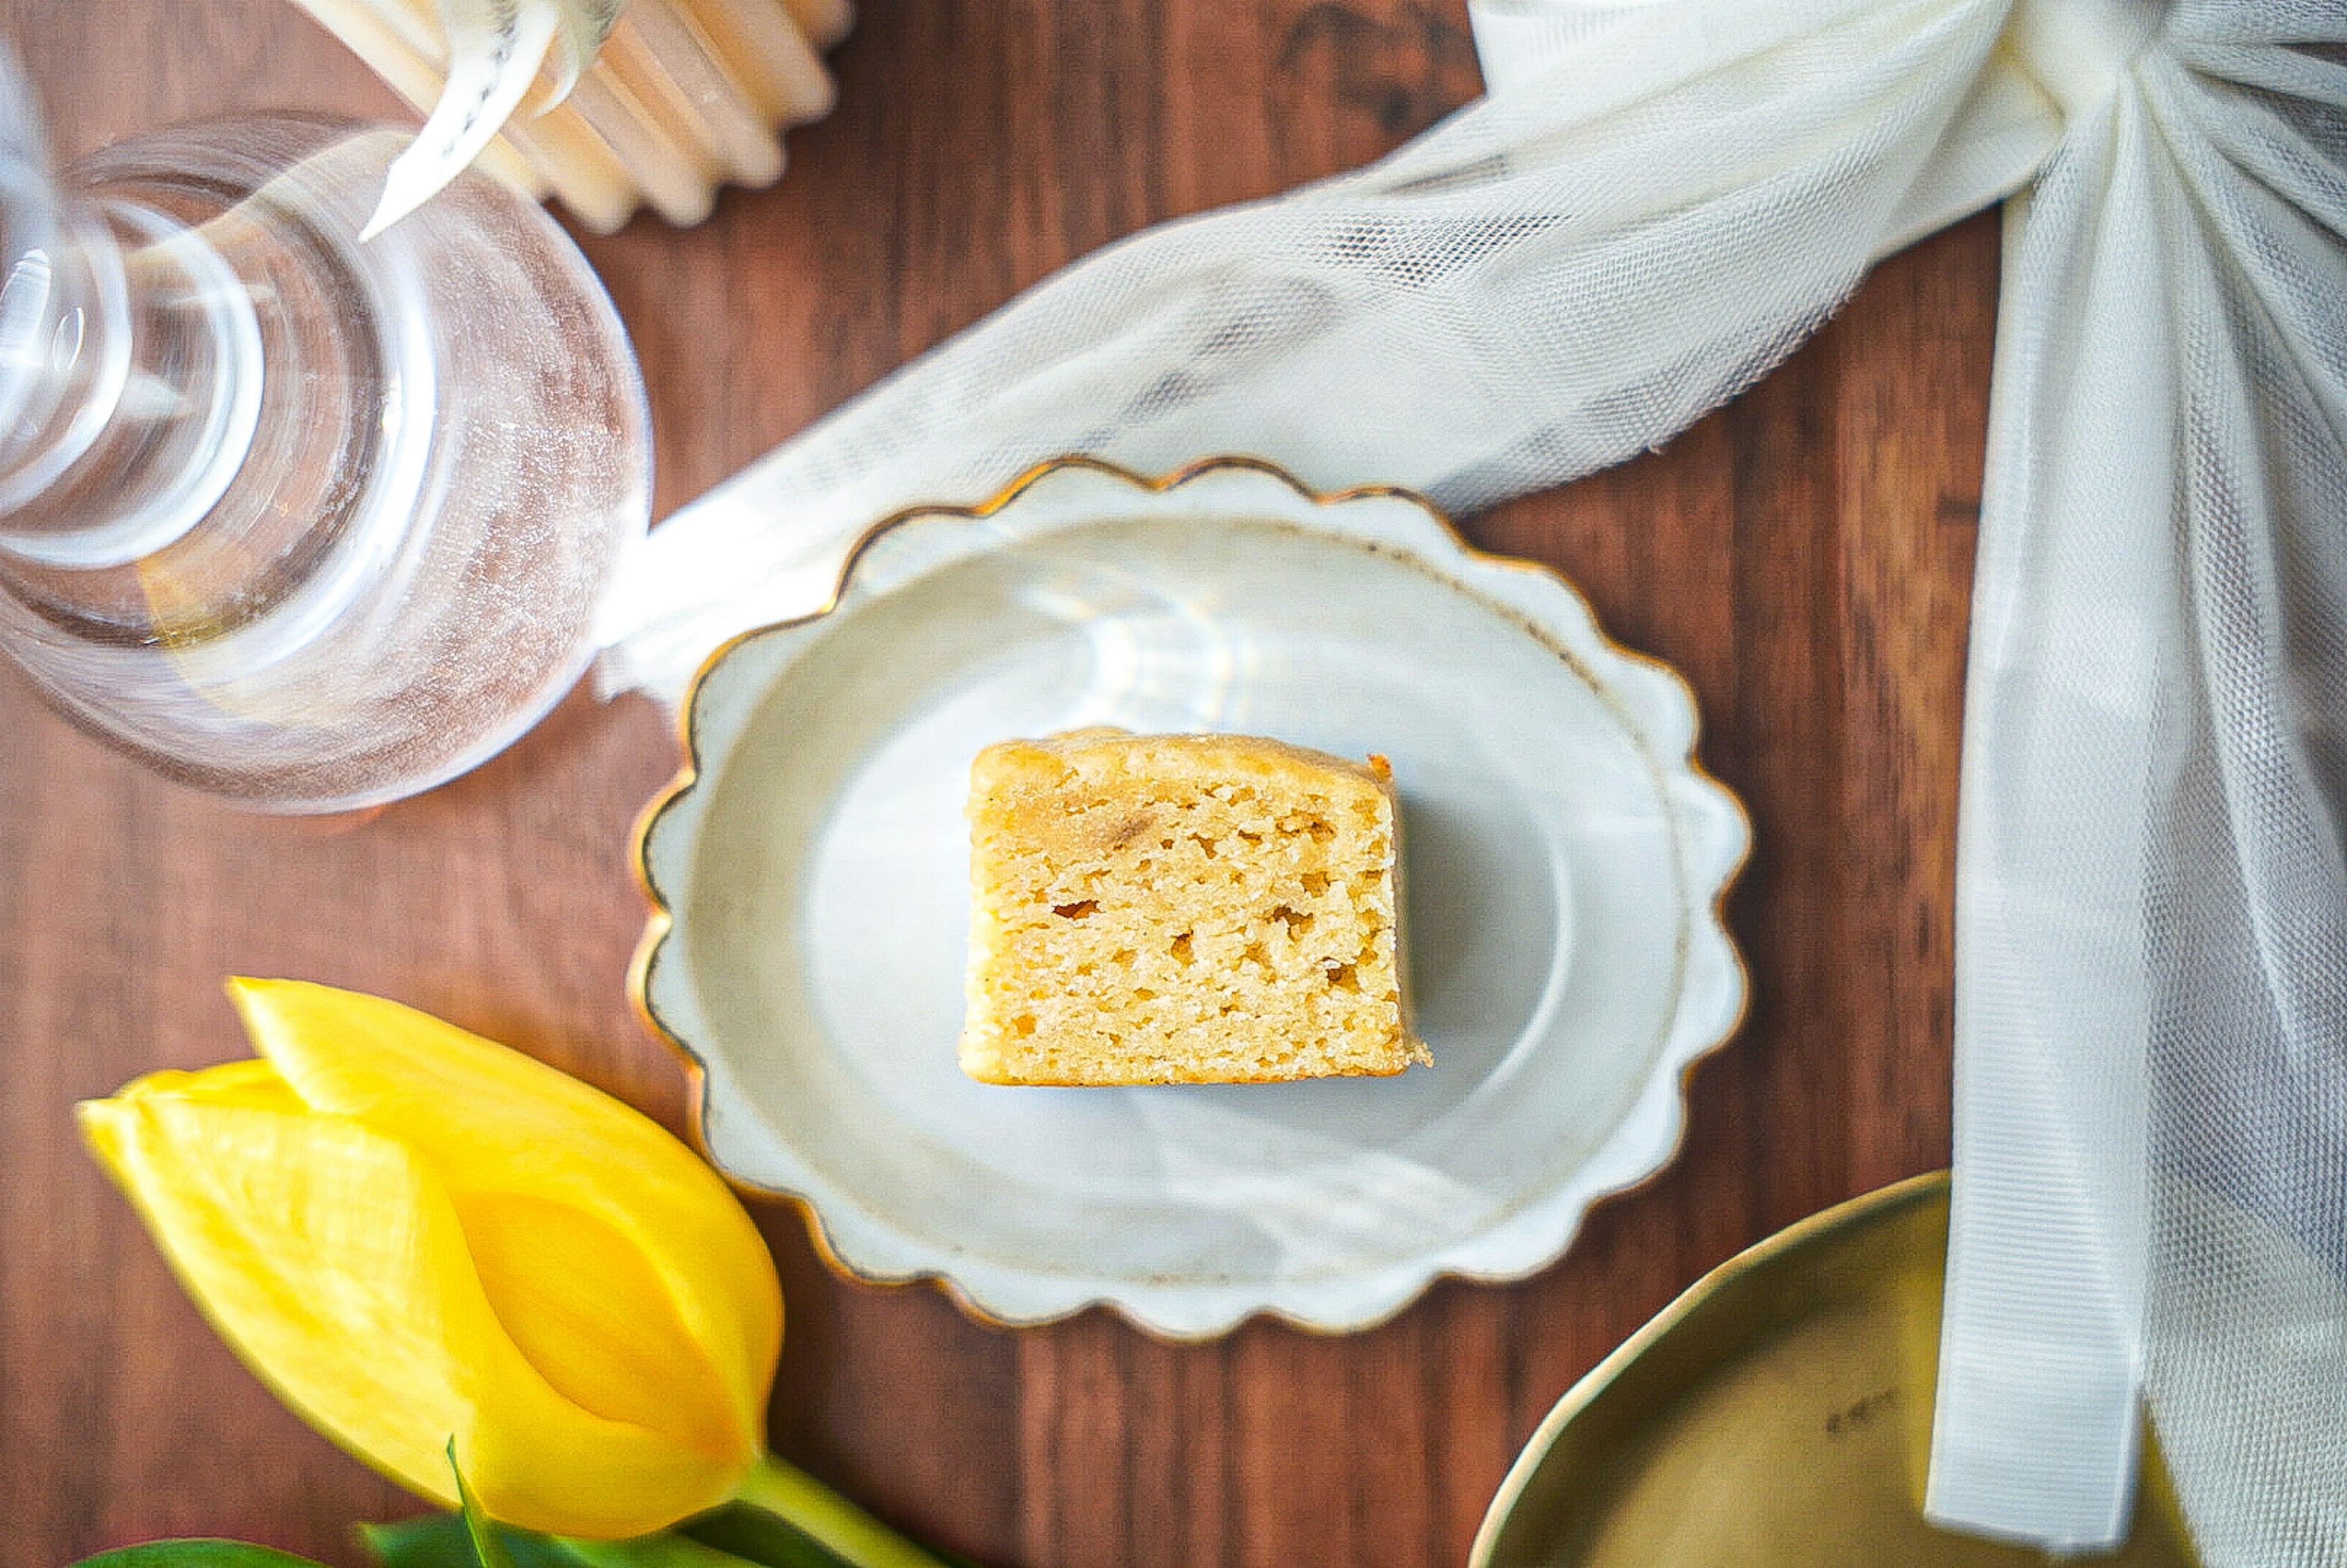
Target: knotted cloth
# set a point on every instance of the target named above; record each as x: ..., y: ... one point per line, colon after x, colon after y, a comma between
x: 1653, y: 206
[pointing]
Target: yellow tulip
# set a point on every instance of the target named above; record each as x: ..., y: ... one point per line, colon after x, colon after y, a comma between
x: 414, y: 1234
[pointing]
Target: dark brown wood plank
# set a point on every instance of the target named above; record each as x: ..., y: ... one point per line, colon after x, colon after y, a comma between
x: 1803, y: 556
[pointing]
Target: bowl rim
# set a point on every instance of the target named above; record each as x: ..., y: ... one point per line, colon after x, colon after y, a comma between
x: 1851, y: 1214
x: 661, y: 921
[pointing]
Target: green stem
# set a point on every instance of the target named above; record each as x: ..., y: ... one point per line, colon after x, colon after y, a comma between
x: 838, y: 1525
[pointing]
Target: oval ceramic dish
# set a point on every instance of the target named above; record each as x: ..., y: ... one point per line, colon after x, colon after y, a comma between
x: 1563, y: 863
x: 1778, y: 1415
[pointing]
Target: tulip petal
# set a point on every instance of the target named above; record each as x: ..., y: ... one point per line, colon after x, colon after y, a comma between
x: 254, y: 1083
x: 499, y: 1128
x: 586, y: 1308
x: 331, y: 1258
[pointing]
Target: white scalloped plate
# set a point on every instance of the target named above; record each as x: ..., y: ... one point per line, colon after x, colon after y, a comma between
x: 1564, y: 862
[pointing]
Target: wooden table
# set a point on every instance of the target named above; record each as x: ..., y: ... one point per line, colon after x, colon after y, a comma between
x: 1803, y: 555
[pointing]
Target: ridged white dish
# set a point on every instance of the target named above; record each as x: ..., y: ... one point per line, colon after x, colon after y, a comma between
x: 1564, y: 859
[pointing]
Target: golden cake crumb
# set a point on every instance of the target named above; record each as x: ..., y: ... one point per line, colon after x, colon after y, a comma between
x: 1180, y: 909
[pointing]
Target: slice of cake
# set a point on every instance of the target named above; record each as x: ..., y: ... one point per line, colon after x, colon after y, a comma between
x: 1180, y: 909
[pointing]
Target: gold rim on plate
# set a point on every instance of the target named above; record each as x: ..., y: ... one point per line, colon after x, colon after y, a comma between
x: 660, y: 919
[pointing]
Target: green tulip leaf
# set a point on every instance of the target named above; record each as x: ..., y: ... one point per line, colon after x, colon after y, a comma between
x: 488, y: 1543
x: 441, y: 1541
x: 754, y: 1535
x: 201, y: 1553
x: 805, y: 1507
x: 759, y: 1535
x: 732, y: 1535
x: 666, y: 1549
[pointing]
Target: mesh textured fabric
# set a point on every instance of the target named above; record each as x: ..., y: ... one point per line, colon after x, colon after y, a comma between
x: 2151, y: 1175
x: 1657, y: 201
x: 1661, y: 203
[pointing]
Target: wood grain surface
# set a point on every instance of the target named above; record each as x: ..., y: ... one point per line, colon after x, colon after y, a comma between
x: 1805, y: 556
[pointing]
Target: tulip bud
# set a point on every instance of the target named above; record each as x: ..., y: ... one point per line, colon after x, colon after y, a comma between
x: 413, y: 1235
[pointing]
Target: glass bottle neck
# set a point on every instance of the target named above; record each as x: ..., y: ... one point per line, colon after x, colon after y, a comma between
x: 130, y: 386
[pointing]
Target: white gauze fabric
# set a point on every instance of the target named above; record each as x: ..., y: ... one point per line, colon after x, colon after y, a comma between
x: 2151, y: 936
x: 1655, y: 204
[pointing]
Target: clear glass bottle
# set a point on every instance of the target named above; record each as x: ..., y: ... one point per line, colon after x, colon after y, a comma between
x: 307, y: 523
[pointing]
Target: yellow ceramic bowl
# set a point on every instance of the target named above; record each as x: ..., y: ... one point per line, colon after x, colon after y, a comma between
x: 1778, y: 1415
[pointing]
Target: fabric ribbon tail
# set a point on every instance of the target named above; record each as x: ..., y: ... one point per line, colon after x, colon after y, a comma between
x: 2151, y: 1030
x: 2035, y: 1423
x: 1655, y: 204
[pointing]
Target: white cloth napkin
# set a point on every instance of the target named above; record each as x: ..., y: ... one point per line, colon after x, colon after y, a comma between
x: 1655, y: 204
